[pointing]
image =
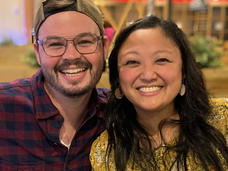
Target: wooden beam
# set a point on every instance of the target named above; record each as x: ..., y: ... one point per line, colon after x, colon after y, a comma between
x: 28, y: 5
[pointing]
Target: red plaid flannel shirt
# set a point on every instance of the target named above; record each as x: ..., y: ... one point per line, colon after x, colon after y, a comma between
x: 30, y: 124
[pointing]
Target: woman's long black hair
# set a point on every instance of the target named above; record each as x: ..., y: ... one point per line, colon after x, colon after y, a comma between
x: 126, y: 135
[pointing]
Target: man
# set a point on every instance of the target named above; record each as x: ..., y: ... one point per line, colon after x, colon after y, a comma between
x: 48, y: 122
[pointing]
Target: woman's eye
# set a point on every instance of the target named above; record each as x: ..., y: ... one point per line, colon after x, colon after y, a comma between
x: 131, y: 62
x: 162, y: 60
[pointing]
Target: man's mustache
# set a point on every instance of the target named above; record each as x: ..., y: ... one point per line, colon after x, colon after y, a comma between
x: 76, y: 62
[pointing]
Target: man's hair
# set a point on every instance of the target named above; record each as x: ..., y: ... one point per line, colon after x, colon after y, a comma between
x: 50, y: 7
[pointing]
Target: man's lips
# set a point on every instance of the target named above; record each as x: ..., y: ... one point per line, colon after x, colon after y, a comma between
x: 73, y: 71
x: 73, y: 67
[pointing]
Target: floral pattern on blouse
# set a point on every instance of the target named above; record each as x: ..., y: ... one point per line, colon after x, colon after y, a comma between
x: 218, y: 119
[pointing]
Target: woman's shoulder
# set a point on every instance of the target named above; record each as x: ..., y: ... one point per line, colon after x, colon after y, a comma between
x: 219, y: 116
x: 219, y: 108
x: 98, y: 151
x: 101, y: 141
x: 219, y: 101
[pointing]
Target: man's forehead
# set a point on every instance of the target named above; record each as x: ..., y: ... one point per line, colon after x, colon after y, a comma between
x: 71, y: 20
x: 67, y: 27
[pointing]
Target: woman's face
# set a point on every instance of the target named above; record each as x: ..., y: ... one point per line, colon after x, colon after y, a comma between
x: 150, y: 70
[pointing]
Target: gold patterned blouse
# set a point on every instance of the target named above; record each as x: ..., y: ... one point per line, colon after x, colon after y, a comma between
x: 218, y: 119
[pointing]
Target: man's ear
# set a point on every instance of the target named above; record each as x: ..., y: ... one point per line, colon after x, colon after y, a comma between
x: 36, y: 50
x: 107, y: 44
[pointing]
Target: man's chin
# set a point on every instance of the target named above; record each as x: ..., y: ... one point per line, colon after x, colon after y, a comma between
x: 75, y: 92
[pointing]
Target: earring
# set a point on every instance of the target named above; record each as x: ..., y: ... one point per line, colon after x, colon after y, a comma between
x: 118, y: 93
x: 182, y: 90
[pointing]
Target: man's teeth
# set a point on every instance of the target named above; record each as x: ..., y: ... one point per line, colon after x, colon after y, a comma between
x: 149, y: 89
x: 73, y: 71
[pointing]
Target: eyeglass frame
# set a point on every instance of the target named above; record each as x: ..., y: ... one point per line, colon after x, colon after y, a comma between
x: 98, y: 38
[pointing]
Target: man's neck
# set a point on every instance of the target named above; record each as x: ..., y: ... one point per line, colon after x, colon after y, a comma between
x: 73, y: 110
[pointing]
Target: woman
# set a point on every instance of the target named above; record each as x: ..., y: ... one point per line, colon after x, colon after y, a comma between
x: 159, y: 116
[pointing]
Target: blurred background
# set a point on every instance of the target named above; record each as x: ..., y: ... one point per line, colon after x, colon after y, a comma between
x: 205, y: 22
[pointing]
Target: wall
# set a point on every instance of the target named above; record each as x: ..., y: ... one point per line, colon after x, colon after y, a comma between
x: 12, y: 21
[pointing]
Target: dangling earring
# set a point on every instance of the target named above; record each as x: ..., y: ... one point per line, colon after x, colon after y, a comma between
x: 118, y: 93
x: 182, y: 90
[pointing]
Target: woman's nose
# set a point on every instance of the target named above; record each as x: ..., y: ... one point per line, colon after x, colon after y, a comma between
x: 148, y: 72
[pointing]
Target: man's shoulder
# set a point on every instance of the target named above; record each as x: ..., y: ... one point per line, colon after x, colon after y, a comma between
x: 18, y: 91
x: 17, y: 88
x: 102, y: 93
x: 19, y: 83
x: 14, y: 94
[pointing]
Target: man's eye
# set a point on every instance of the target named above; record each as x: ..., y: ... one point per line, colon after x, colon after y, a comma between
x: 54, y: 44
x: 85, y: 42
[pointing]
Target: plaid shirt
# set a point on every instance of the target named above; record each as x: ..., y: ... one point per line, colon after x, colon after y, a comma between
x: 30, y: 124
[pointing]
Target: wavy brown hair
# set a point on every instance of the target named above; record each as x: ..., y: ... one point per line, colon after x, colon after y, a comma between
x: 196, y: 135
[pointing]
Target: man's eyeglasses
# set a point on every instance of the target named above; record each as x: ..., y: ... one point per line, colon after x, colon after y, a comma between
x: 85, y: 43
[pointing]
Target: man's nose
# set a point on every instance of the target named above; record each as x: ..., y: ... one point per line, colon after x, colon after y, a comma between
x: 71, y: 51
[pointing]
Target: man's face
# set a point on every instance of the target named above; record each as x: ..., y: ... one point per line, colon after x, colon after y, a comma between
x: 71, y: 73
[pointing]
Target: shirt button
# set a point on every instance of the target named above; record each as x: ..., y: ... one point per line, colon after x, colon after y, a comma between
x: 60, y: 119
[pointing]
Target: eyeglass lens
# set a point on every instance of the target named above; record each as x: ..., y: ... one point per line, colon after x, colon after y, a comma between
x: 84, y: 44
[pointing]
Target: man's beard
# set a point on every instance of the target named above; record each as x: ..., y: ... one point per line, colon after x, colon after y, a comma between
x: 51, y: 78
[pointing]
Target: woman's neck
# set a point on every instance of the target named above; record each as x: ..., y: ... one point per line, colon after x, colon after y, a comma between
x: 158, y: 128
